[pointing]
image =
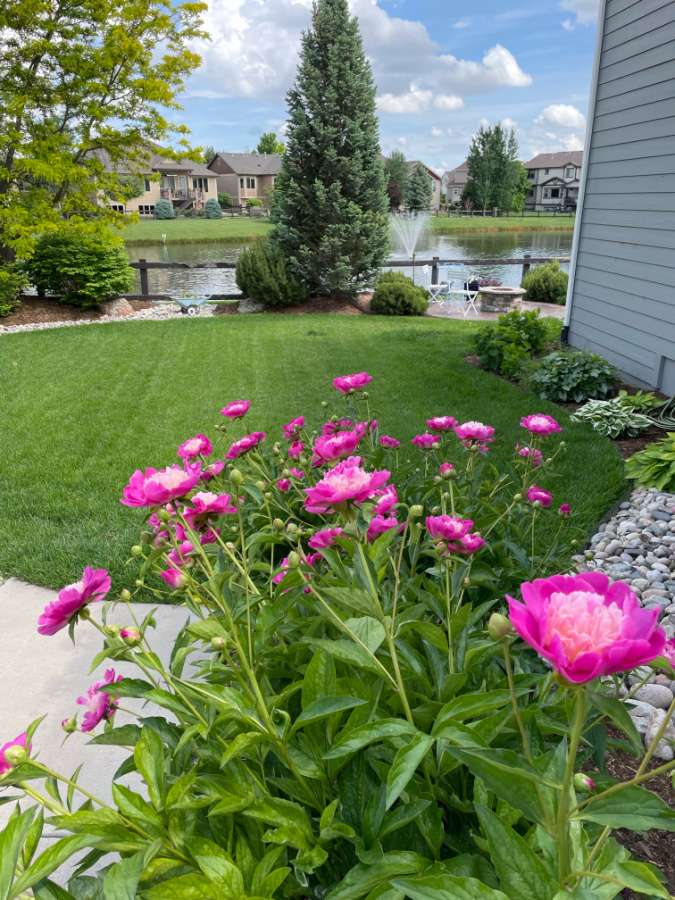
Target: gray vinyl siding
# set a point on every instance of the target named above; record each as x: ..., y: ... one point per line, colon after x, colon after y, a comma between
x: 622, y: 293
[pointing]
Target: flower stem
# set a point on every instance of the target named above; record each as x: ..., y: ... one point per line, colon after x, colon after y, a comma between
x: 514, y: 701
x: 562, y: 835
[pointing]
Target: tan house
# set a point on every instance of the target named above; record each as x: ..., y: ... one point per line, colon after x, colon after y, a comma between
x: 454, y: 183
x: 185, y: 184
x: 246, y: 176
x: 435, y: 180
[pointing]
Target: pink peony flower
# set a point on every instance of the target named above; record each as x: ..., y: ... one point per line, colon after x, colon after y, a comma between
x: 177, y: 557
x: 325, y: 538
x: 205, y: 506
x: 7, y: 765
x: 130, y: 634
x: 386, y: 499
x: 307, y: 560
x: 669, y: 651
x: 448, y: 528
x: 331, y: 427
x: 338, y: 446
x: 442, y: 423
x: 248, y: 442
x: 284, y: 485
x: 364, y: 428
x: 297, y: 473
x: 175, y: 578
x: 157, y: 488
x: 91, y: 588
x: 100, y: 706
x: 535, y: 493
x: 199, y: 445
x: 426, y: 441
x: 295, y: 450
x: 380, y: 524
x: 530, y: 453
x: 445, y: 468
x: 470, y: 543
x: 389, y: 443
x: 214, y: 469
x: 237, y: 409
x: 346, y: 483
x: 540, y: 424
x: 565, y: 510
x: 585, y: 626
x: 475, y: 434
x: 292, y: 430
x: 347, y: 383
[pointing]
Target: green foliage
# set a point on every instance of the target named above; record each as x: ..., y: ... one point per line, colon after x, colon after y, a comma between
x: 396, y: 172
x: 567, y: 376
x: 493, y: 171
x: 13, y: 282
x: 263, y: 275
x: 640, y: 400
x: 521, y: 186
x: 418, y: 190
x: 269, y: 144
x: 80, y: 268
x: 612, y: 418
x: 514, y: 337
x: 330, y: 211
x: 397, y: 295
x: 164, y: 209
x: 208, y: 154
x: 654, y: 467
x: 546, y: 284
x: 76, y: 79
x: 212, y: 209
x: 130, y: 187
x: 253, y: 202
x: 225, y: 199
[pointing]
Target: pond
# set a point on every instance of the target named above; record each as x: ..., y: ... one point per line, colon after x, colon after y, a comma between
x: 503, y: 245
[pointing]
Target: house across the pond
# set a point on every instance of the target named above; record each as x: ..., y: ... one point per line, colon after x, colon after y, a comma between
x: 246, y: 176
x: 554, y: 180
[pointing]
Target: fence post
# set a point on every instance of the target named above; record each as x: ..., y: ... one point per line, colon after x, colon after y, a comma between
x: 144, y: 278
x: 434, y: 269
x: 526, y: 264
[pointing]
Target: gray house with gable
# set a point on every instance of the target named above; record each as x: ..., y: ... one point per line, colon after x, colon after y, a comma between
x: 621, y: 297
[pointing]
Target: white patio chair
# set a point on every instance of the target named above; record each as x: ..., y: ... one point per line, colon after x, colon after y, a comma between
x: 458, y: 280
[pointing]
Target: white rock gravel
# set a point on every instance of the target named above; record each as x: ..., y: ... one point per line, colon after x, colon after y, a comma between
x: 159, y: 313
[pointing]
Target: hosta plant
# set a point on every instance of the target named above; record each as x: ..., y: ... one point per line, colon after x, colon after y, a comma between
x: 654, y: 467
x: 612, y: 418
x: 347, y: 713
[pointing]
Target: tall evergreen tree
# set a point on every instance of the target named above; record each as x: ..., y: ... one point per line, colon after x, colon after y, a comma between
x: 396, y: 175
x: 330, y: 212
x: 419, y: 190
x: 492, y: 173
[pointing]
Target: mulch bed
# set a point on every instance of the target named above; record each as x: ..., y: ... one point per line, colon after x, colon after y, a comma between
x: 37, y: 310
x: 359, y: 307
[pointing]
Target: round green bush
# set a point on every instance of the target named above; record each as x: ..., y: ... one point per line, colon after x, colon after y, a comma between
x: 13, y: 283
x: 212, y: 209
x: 225, y: 199
x: 164, y: 210
x: 397, y: 295
x: 546, y: 284
x: 573, y: 376
x: 82, y: 269
x: 262, y: 275
x: 254, y: 202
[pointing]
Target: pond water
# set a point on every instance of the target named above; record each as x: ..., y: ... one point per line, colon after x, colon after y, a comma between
x: 503, y: 245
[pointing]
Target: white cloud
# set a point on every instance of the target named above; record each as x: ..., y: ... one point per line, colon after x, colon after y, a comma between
x: 463, y: 23
x: 509, y: 123
x: 499, y: 68
x: 573, y: 142
x: 402, y: 140
x: 445, y: 101
x: 437, y: 132
x: 549, y: 134
x: 562, y: 114
x: 415, y: 101
x: 586, y: 12
x: 484, y: 123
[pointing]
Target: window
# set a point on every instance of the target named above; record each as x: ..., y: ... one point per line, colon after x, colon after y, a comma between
x: 555, y: 193
x: 547, y: 193
x: 531, y: 192
x: 117, y: 207
x: 569, y: 172
x: 531, y: 173
x: 434, y: 187
x: 182, y: 182
x: 201, y: 184
x: 545, y: 171
x: 250, y: 184
x: 146, y: 210
x: 455, y: 192
x: 241, y: 183
x: 147, y: 184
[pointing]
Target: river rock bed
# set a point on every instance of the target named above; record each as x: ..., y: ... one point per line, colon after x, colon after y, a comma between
x: 157, y: 313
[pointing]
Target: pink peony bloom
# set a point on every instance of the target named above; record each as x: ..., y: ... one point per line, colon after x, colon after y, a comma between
x: 442, y: 423
x: 540, y: 424
x: 297, y: 473
x: 331, y: 427
x: 248, y: 442
x: 585, y: 626
x: 444, y: 468
x: 385, y: 499
x: 535, y: 493
x: 5, y: 764
x: 338, y: 446
x: 130, y: 634
x: 91, y: 588
x: 199, y: 445
x: 426, y: 441
x: 157, y: 488
x: 347, y: 383
x: 292, y: 430
x: 295, y: 450
x: 669, y: 651
x: 346, y: 483
x: 475, y: 434
x: 470, y: 543
x: 389, y: 443
x: 364, y: 428
x: 237, y: 409
x: 214, y: 469
x: 100, y: 706
x: 205, y: 506
x: 284, y: 485
x: 175, y: 578
x: 380, y: 524
x: 325, y: 538
x: 177, y: 557
x: 448, y: 528
x: 530, y: 453
x: 308, y: 560
x: 565, y: 510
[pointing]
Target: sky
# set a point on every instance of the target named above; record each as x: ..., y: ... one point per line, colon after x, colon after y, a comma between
x: 441, y: 69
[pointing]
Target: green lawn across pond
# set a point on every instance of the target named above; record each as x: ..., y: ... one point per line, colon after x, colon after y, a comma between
x: 83, y: 407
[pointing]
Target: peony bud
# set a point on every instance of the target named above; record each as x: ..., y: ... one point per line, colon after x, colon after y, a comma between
x: 125, y: 596
x: 436, y: 511
x: 278, y: 525
x: 130, y: 636
x: 324, y: 404
x: 285, y: 473
x: 112, y: 630
x: 136, y: 550
x: 139, y: 583
x: 517, y: 497
x: 218, y: 643
x: 435, y: 445
x: 163, y: 515
x: 69, y: 725
x: 583, y: 784
x: 416, y: 511
x: 499, y: 627
x: 294, y: 559
x: 229, y: 545
x: 334, y: 419
x: 537, y: 504
x: 267, y: 495
x: 574, y: 543
x: 291, y: 528
x: 365, y: 395
x: 15, y: 755
x: 236, y: 477
x: 260, y: 485
x: 147, y: 537
x: 467, y: 583
x: 437, y: 479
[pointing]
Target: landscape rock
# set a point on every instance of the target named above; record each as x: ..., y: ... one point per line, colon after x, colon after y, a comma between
x: 657, y: 695
x: 250, y: 306
x: 664, y: 749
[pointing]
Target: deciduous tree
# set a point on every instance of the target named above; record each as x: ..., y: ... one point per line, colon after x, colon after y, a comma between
x: 268, y: 143
x: 493, y: 175
x: 396, y: 170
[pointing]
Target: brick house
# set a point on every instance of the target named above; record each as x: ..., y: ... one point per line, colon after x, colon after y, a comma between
x: 245, y: 176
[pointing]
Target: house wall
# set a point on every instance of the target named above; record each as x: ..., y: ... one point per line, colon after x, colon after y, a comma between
x: 538, y: 183
x: 621, y: 299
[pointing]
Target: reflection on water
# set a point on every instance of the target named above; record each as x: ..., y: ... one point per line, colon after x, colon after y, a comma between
x: 503, y: 245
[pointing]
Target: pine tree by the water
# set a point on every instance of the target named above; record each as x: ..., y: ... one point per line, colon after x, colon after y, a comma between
x: 330, y: 210
x: 419, y: 190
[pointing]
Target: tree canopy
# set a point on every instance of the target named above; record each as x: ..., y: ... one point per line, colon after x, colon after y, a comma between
x: 493, y: 168
x: 268, y: 143
x: 396, y: 173
x: 419, y: 190
x: 208, y: 154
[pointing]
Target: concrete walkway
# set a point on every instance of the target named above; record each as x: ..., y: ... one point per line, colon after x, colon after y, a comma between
x: 546, y: 309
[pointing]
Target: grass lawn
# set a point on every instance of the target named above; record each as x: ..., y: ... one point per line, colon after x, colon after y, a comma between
x: 467, y: 224
x: 83, y: 407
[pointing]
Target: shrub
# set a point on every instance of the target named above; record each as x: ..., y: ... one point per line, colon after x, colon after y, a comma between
x: 654, y: 467
x: 262, y: 275
x: 514, y: 337
x: 81, y: 269
x: 546, y: 284
x: 212, y: 209
x: 164, y: 209
x: 13, y: 282
x: 225, y: 199
x: 253, y: 202
x: 338, y: 713
x: 574, y: 376
x: 396, y: 295
x: 612, y: 418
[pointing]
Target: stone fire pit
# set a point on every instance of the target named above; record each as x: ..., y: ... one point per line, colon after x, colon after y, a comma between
x: 500, y: 299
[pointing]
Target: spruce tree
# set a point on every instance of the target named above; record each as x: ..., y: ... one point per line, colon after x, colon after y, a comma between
x: 396, y: 170
x: 419, y: 190
x: 330, y: 211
